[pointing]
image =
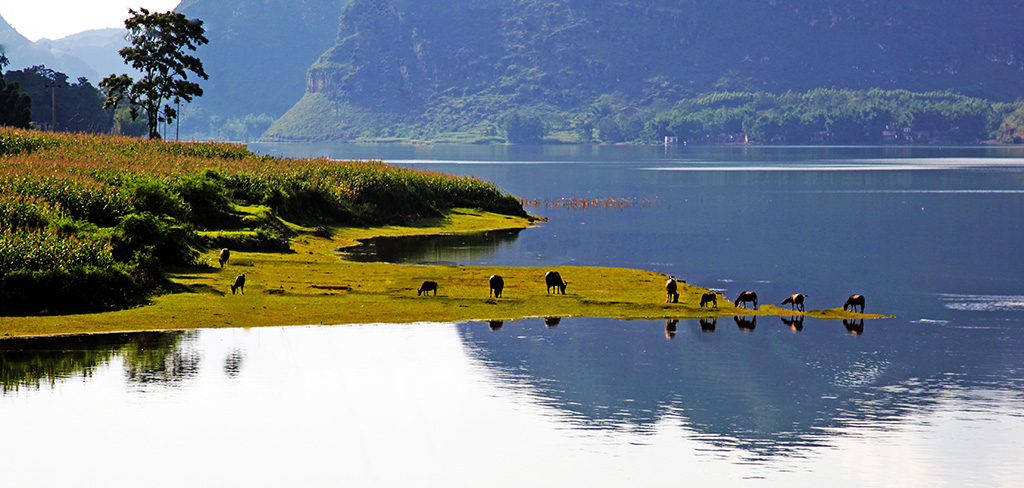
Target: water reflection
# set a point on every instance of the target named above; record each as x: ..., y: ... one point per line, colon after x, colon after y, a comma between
x: 746, y: 323
x: 163, y: 358
x: 768, y: 393
x: 796, y: 322
x: 435, y: 249
x: 854, y: 326
x: 708, y: 324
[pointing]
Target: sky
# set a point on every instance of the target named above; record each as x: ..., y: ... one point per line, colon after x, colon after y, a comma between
x: 53, y: 19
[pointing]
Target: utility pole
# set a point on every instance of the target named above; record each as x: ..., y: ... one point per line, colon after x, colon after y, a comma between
x: 53, y: 86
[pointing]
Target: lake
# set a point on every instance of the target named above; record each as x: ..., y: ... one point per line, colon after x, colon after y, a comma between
x: 934, y: 396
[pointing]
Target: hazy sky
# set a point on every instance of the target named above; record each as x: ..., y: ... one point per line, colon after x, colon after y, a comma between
x: 53, y: 19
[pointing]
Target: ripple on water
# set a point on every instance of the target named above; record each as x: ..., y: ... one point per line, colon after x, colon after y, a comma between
x: 983, y: 303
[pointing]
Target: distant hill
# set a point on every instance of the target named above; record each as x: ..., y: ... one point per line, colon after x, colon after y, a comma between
x: 434, y: 67
x: 258, y: 54
x: 55, y: 55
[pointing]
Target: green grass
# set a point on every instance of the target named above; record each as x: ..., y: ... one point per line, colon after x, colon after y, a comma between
x: 312, y: 285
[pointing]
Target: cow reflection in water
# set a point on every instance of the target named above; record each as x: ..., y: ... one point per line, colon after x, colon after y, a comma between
x: 746, y: 323
x: 796, y: 322
x: 854, y: 326
x: 552, y: 321
x: 708, y: 324
x: 670, y: 328
x: 495, y: 324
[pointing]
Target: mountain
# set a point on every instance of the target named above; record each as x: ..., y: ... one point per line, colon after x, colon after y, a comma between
x: 97, y: 48
x: 258, y: 54
x: 24, y: 53
x: 433, y: 67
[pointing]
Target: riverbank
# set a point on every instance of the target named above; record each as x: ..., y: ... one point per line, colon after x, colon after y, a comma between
x: 311, y: 285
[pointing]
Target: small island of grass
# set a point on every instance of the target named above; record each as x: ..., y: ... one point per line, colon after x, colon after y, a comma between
x: 110, y: 234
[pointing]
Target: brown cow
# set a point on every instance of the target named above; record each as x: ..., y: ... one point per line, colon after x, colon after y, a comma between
x: 497, y: 284
x: 747, y: 296
x: 852, y: 303
x: 239, y: 284
x: 224, y: 255
x: 671, y: 288
x: 427, y: 287
x: 554, y: 280
x: 795, y: 301
x: 709, y: 297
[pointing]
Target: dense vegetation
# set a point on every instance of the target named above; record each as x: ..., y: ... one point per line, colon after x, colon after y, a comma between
x: 815, y: 117
x: 93, y: 222
x: 15, y: 105
x: 79, y: 103
x: 455, y: 70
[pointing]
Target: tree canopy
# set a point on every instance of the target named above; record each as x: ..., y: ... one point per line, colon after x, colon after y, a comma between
x: 15, y: 105
x: 158, y: 45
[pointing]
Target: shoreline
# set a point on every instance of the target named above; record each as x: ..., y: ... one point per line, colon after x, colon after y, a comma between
x: 312, y: 286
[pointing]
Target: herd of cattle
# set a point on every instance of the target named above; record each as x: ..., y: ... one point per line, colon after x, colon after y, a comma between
x: 554, y: 281
x: 795, y: 301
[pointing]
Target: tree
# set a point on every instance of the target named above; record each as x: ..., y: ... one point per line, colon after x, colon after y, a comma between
x: 523, y: 128
x: 79, y: 104
x: 15, y: 105
x: 158, y: 44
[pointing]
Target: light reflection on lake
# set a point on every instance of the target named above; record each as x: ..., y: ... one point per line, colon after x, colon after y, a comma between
x: 931, y: 397
x: 443, y: 404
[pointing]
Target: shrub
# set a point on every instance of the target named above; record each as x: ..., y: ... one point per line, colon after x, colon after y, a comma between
x: 138, y: 232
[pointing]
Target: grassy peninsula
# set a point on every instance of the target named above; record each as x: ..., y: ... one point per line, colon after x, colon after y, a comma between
x: 113, y: 234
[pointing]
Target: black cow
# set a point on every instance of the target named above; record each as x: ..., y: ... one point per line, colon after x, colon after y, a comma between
x: 709, y: 297
x: 239, y: 284
x: 747, y: 296
x: 224, y: 255
x: 852, y: 303
x: 554, y: 280
x: 497, y: 284
x: 795, y: 301
x: 671, y: 288
x: 427, y: 287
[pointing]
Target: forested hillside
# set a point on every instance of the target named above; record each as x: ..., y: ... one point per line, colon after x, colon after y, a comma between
x: 462, y: 70
x: 257, y: 59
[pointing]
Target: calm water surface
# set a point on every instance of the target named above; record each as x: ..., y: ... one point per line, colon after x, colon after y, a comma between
x: 931, y: 397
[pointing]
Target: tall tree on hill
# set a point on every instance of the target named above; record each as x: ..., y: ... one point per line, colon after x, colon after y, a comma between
x: 157, y: 50
x: 15, y: 105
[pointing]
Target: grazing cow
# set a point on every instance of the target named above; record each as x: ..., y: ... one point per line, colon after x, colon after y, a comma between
x: 852, y: 303
x: 239, y: 284
x: 497, y: 284
x: 795, y: 301
x: 224, y: 255
x: 747, y: 296
x: 746, y: 323
x: 671, y: 288
x: 427, y: 287
x: 709, y: 297
x: 554, y: 280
